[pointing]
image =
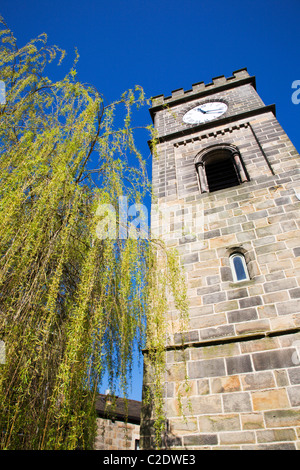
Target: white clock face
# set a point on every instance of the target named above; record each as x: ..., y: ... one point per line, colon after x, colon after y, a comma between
x: 205, y: 112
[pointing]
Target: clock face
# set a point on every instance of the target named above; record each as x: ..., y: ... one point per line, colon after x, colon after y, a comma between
x: 205, y: 112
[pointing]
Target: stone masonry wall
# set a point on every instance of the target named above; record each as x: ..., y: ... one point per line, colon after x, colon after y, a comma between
x: 241, y: 348
x: 116, y: 435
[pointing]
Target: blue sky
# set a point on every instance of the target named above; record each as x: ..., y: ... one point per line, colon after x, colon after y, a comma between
x: 163, y: 45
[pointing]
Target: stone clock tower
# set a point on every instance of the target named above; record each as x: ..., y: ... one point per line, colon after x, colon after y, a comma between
x: 228, y: 178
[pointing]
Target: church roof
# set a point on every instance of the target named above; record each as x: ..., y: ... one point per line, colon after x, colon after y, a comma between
x: 120, y: 409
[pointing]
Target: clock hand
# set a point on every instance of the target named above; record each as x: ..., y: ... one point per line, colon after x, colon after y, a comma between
x: 209, y: 110
x: 214, y: 110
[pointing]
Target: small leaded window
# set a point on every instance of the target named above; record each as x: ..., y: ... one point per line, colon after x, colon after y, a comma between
x: 238, y: 267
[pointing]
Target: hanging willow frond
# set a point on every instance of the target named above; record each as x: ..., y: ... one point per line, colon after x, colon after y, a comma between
x: 72, y: 306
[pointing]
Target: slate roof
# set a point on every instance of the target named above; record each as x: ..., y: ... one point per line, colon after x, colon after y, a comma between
x: 119, y: 410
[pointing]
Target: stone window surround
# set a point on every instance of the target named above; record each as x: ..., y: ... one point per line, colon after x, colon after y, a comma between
x: 250, y: 259
x: 212, y: 152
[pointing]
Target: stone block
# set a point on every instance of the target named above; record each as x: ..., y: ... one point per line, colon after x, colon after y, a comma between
x: 295, y: 294
x: 187, y: 425
x: 248, y: 226
x: 237, y: 402
x: 273, y: 435
x: 258, y: 215
x: 200, y: 440
x: 266, y: 258
x: 294, y: 395
x: 217, y: 423
x: 282, y: 418
x: 177, y: 356
x: 190, y: 258
x: 226, y: 274
x: 275, y: 297
x: 282, y: 201
x: 238, y: 365
x: 169, y: 389
x: 279, y: 446
x: 231, y: 229
x: 273, y: 359
x: 208, y: 368
x: 265, y: 231
x: 252, y: 327
x: 296, y: 251
x: 201, y: 310
x: 242, y: 437
x: 203, y: 387
x: 219, y: 332
x: 281, y: 378
x: 281, y: 284
x: 212, y: 234
x: 204, y: 404
x: 223, y: 241
x: 238, y: 316
x: 250, y: 302
x: 237, y: 294
x: 285, y: 308
x: 214, y: 351
x: 266, y: 311
x: 252, y: 421
x: 225, y: 384
x: 246, y: 236
x: 194, y: 283
x: 211, y: 280
x: 186, y: 337
x: 264, y: 241
x: 260, y: 345
x: 281, y: 323
x: 175, y: 372
x: 214, y: 298
x: 294, y: 376
x: 206, y: 320
x: 226, y: 306
x: 272, y: 248
x: 258, y: 381
x: 195, y: 301
x: 270, y: 399
x: 208, y: 290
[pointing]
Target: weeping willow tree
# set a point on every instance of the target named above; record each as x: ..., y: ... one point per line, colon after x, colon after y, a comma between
x: 73, y: 305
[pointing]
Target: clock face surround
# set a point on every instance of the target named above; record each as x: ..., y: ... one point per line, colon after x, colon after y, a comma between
x: 205, y: 112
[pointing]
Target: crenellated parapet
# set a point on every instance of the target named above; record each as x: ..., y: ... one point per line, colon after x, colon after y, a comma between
x: 201, y: 87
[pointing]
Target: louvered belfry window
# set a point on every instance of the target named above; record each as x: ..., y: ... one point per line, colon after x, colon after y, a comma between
x: 220, y: 167
x: 221, y: 174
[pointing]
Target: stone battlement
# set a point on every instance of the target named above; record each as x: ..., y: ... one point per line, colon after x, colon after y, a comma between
x: 201, y: 87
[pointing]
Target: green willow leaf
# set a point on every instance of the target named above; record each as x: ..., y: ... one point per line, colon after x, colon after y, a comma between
x: 73, y: 306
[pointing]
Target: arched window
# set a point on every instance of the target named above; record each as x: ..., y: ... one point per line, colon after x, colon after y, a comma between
x: 238, y: 267
x: 220, y: 167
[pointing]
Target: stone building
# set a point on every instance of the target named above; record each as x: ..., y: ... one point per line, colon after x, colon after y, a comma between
x: 227, y: 182
x: 118, y: 423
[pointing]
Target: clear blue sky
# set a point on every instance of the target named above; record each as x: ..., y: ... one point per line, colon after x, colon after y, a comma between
x: 163, y: 45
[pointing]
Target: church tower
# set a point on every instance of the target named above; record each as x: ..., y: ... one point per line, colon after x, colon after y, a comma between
x: 228, y: 178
